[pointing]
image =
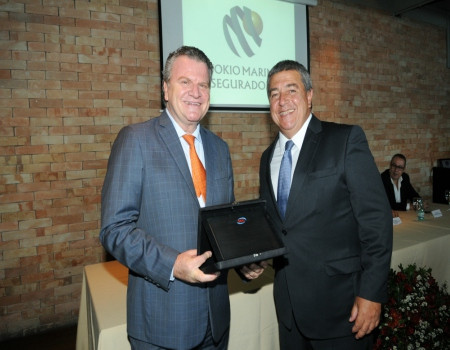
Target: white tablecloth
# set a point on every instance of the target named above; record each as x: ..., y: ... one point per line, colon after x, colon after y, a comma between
x: 102, y: 318
x: 426, y: 243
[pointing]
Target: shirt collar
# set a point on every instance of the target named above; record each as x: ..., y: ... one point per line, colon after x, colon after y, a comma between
x: 180, y: 131
x: 400, y: 179
x: 298, y: 138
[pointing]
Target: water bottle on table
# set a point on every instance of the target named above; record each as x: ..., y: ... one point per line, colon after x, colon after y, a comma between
x: 420, y: 210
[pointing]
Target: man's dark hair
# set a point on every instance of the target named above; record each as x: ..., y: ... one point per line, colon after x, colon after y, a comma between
x: 290, y: 65
x: 399, y: 155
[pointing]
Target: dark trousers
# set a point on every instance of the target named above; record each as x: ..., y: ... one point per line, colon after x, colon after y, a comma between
x: 207, y: 343
x: 294, y: 340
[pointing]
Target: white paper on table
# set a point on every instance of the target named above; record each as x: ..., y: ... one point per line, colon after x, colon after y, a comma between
x: 396, y: 221
x: 436, y: 213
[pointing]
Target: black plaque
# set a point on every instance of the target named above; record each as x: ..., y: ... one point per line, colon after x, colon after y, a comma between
x: 237, y: 234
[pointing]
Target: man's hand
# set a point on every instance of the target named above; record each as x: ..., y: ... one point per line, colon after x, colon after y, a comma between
x: 253, y: 271
x: 187, y: 265
x: 366, y: 315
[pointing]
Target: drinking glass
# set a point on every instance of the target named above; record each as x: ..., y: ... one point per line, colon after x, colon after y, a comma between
x: 415, y: 202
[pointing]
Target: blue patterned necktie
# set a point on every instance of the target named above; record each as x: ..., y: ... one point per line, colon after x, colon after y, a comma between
x: 284, y: 178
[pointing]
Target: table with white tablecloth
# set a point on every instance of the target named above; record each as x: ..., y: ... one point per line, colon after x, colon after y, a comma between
x: 102, y: 317
x: 425, y: 243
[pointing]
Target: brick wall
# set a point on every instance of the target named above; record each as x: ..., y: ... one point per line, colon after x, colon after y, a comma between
x: 73, y: 73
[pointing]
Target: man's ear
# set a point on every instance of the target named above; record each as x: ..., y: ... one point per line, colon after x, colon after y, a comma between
x: 165, y: 88
x: 309, y: 96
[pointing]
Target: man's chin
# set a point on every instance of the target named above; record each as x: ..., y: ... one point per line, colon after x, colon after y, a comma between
x: 195, y: 116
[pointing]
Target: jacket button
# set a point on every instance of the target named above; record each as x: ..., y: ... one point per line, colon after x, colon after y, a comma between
x: 284, y: 232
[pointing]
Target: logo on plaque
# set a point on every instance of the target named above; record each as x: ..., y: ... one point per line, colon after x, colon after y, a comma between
x: 241, y: 221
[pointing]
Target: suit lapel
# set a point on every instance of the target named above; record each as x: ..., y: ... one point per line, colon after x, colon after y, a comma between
x: 302, y: 169
x: 172, y: 142
x: 210, y: 164
x: 268, y: 172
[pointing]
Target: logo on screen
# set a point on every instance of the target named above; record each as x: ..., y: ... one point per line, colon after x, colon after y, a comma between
x: 241, y: 221
x: 242, y: 21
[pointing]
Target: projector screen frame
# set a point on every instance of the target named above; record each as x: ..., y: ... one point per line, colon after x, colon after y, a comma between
x: 174, y: 36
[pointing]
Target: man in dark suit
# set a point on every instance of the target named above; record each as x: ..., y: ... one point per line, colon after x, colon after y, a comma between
x: 397, y: 184
x: 150, y: 211
x: 335, y: 223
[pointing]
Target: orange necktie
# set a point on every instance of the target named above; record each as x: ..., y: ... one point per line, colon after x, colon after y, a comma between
x: 198, y: 171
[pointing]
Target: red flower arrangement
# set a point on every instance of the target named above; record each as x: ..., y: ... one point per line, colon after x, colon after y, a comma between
x: 416, y: 315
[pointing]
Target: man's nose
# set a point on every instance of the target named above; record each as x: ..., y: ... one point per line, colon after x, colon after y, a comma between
x: 195, y: 91
x: 284, y: 97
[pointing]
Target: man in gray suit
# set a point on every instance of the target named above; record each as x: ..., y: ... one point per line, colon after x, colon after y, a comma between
x: 334, y: 218
x: 150, y: 216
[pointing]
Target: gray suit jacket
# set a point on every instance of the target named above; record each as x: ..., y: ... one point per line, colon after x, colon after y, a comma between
x: 337, y: 230
x: 150, y: 215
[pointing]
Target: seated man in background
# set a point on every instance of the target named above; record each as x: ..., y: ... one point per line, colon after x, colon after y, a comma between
x: 397, y: 185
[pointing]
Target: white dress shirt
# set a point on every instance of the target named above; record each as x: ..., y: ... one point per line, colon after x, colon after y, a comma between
x: 278, y: 152
x: 398, y: 197
x: 198, y: 148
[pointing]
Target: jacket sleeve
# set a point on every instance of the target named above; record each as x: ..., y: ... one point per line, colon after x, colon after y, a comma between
x: 372, y: 212
x: 408, y: 191
x: 133, y: 246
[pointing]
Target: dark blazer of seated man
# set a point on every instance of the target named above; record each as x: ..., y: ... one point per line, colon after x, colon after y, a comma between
x: 397, y: 184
